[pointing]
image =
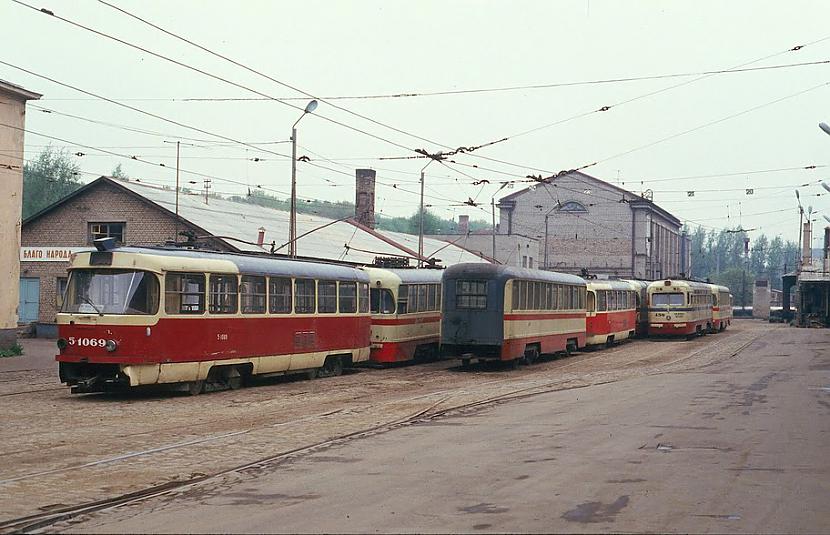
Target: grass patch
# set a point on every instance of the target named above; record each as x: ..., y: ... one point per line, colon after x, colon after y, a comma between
x: 14, y: 351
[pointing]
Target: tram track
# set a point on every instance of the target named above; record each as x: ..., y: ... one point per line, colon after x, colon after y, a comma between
x: 529, y: 382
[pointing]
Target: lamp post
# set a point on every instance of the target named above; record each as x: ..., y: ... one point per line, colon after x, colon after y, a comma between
x: 292, y: 225
x: 421, y: 220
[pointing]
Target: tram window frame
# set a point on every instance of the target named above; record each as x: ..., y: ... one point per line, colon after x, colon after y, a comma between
x: 251, y: 301
x: 380, y: 301
x: 223, y: 294
x: 363, y: 297
x: 280, y: 301
x: 326, y: 297
x: 432, y: 297
x: 423, y: 298
x: 515, y: 294
x: 602, y: 301
x: 184, y: 292
x: 471, y: 294
x: 347, y: 299
x: 403, y: 299
x: 305, y: 296
x: 523, y: 296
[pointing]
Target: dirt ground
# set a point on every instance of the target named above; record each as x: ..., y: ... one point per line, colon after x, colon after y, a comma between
x: 62, y: 450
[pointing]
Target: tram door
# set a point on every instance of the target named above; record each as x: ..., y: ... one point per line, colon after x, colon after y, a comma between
x: 29, y: 300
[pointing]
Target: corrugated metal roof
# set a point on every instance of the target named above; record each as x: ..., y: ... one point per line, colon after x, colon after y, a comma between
x: 337, y: 240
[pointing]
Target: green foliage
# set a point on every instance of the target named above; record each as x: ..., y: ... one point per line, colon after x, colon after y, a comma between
x: 52, y: 176
x: 719, y: 254
x: 119, y: 173
x: 740, y: 284
x: 14, y: 351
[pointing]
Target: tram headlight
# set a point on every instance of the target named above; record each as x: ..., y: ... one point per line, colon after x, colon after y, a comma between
x: 62, y: 344
x: 111, y: 345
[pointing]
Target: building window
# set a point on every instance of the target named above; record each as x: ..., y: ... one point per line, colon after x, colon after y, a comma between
x: 60, y: 291
x: 107, y: 230
x: 572, y: 206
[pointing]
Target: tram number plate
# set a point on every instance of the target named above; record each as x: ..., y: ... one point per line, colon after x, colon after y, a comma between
x: 86, y: 342
x: 305, y: 339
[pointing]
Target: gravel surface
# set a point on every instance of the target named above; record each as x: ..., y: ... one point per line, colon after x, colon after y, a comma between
x: 61, y: 450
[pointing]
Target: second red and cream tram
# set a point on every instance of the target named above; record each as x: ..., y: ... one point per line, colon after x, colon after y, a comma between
x: 611, y: 312
x: 406, y: 314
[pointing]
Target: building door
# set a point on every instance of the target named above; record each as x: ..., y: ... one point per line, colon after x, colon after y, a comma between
x: 29, y: 299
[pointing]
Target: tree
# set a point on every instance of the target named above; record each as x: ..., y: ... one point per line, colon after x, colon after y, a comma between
x: 119, y: 173
x: 50, y: 177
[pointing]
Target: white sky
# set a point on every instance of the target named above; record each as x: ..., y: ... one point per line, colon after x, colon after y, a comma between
x: 349, y: 48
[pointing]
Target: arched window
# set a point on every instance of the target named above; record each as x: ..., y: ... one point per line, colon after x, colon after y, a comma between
x: 572, y: 206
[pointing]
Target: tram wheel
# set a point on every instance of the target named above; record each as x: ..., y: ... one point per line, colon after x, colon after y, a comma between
x: 332, y: 367
x: 194, y: 388
x: 531, y: 355
x: 465, y: 364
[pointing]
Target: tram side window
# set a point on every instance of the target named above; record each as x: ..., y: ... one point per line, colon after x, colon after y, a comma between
x: 223, y: 295
x: 471, y: 294
x: 403, y: 299
x: 347, y: 297
x: 602, y: 301
x: 252, y: 295
x: 423, y: 303
x: 432, y: 291
x: 280, y: 301
x: 363, y: 295
x: 184, y: 293
x: 327, y: 297
x: 304, y: 296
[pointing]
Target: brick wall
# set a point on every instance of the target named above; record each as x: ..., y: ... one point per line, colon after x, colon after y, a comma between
x: 68, y: 226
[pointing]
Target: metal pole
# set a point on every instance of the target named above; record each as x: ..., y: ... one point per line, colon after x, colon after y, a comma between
x: 176, y: 234
x: 493, y: 206
x: 292, y: 224
x: 546, y: 240
x: 421, y: 224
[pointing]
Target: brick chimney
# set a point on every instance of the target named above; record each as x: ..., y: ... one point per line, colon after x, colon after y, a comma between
x: 463, y: 224
x: 364, y: 200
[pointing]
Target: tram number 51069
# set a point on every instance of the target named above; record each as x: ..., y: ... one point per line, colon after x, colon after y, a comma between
x: 222, y: 337
x: 87, y: 342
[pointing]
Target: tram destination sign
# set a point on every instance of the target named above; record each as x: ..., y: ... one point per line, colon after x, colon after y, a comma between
x: 48, y: 254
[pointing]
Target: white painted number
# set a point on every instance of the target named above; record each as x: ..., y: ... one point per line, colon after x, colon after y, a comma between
x: 222, y: 337
x: 87, y: 342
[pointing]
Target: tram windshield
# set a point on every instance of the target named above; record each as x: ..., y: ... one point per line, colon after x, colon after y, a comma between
x: 111, y: 291
x: 667, y: 299
x: 383, y: 302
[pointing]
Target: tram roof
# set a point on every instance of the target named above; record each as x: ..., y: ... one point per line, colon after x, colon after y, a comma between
x: 405, y: 276
x: 611, y: 285
x: 166, y: 258
x: 492, y: 271
x: 677, y: 283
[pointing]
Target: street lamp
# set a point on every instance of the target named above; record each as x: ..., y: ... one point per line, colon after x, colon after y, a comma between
x: 292, y: 225
x: 421, y: 220
x: 825, y: 127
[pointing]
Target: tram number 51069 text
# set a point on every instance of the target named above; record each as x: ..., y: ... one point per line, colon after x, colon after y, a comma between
x: 222, y: 337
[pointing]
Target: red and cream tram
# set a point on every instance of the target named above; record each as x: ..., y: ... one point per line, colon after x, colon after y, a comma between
x: 492, y: 312
x: 679, y: 308
x: 721, y: 307
x: 406, y: 313
x: 611, y: 312
x: 143, y: 316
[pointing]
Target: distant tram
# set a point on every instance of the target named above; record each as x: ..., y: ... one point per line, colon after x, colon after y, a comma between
x: 679, y: 308
x: 611, y: 312
x: 143, y: 316
x: 406, y: 314
x: 511, y: 314
x: 721, y: 307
